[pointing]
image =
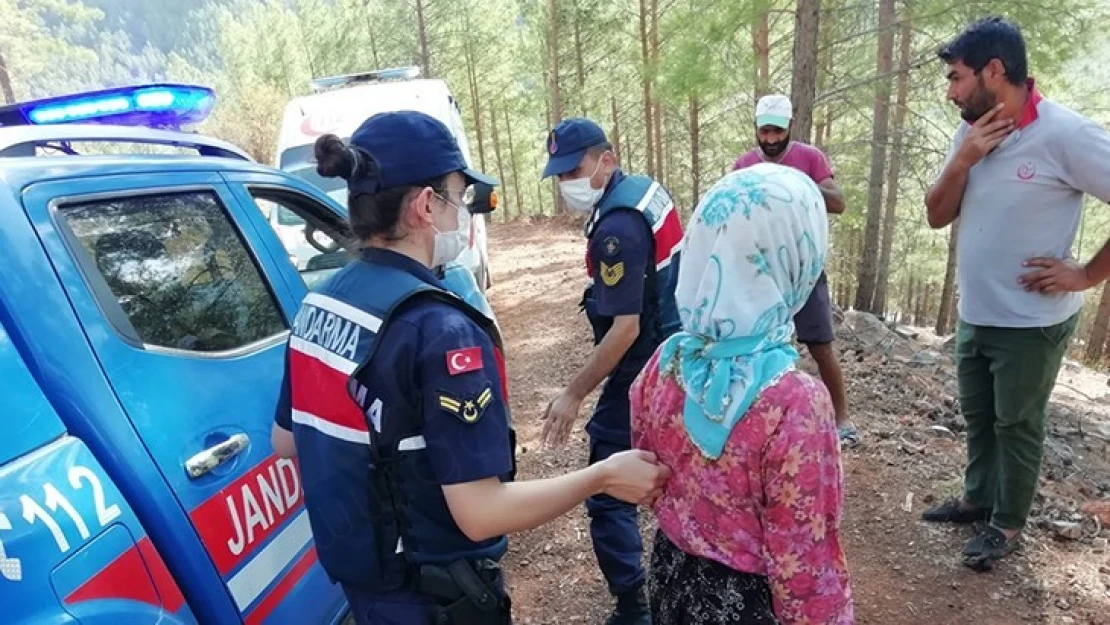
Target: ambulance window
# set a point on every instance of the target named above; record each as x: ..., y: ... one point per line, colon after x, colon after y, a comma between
x: 300, y: 162
x: 178, y: 269
x: 313, y: 236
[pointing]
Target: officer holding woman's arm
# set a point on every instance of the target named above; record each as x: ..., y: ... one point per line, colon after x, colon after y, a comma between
x: 395, y: 400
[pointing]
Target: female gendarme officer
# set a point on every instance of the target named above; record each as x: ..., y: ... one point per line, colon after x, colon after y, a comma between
x: 395, y: 407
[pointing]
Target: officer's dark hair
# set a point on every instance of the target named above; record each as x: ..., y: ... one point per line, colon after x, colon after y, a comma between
x: 370, y: 214
x: 599, y: 149
x: 990, y: 38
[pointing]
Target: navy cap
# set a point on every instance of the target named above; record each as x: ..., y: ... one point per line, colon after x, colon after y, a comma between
x: 568, y: 142
x: 408, y: 148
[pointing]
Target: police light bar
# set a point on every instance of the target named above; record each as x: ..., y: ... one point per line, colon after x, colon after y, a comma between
x: 160, y: 105
x: 378, y: 75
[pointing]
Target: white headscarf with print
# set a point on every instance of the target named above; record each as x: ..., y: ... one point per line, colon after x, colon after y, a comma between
x: 753, y: 252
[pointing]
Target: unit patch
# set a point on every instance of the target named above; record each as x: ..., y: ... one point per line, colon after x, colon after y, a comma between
x: 612, y: 246
x: 468, y: 409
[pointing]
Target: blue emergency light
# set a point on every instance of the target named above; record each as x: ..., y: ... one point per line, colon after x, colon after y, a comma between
x: 153, y: 106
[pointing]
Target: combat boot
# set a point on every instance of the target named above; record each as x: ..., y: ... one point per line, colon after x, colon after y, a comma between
x: 632, y: 609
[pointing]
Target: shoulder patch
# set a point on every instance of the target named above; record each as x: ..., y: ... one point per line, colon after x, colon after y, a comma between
x: 611, y: 275
x: 464, y: 360
x: 612, y: 246
x: 467, y: 408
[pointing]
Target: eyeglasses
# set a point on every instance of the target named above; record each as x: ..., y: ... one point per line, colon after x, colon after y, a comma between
x: 468, y: 195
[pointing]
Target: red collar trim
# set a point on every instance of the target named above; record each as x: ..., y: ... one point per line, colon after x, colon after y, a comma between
x: 1029, y: 114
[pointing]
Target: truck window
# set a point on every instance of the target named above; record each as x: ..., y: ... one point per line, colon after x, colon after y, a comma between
x: 178, y: 269
x: 312, y: 242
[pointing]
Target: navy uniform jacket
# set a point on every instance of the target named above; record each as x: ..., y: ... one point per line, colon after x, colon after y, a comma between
x: 632, y: 266
x: 431, y: 360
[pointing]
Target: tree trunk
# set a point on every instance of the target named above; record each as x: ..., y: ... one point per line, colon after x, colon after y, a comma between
x: 657, y: 117
x: 695, y: 146
x: 869, y: 262
x: 922, y: 304
x: 846, y: 270
x: 824, y: 57
x: 649, y: 135
x: 475, y: 97
x: 517, y: 186
x: 883, y: 281
x: 497, y: 155
x: 370, y: 36
x: 6, y: 81
x: 616, y: 130
x: 422, y: 30
x: 579, y: 64
x: 660, y: 162
x: 555, y: 112
x: 1096, y: 342
x: 553, y: 54
x: 945, y: 318
x: 804, y: 87
x: 761, y: 46
x: 907, y: 299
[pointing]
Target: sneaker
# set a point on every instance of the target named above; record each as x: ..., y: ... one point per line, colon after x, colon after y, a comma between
x: 990, y: 546
x: 632, y: 609
x: 951, y: 512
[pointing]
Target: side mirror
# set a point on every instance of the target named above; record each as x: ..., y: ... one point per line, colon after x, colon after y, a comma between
x: 485, y: 199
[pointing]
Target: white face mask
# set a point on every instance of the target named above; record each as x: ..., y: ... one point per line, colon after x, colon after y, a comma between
x: 449, y: 245
x: 579, y: 195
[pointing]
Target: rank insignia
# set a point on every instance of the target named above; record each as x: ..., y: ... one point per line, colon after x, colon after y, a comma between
x: 468, y: 409
x: 612, y: 246
x: 612, y: 274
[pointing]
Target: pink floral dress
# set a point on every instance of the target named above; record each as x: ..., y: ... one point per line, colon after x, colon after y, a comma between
x: 769, y: 506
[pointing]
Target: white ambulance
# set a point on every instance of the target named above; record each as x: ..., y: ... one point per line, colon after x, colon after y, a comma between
x: 338, y: 106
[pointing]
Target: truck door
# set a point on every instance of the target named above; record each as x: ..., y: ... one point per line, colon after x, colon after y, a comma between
x: 71, y: 548
x: 189, y: 325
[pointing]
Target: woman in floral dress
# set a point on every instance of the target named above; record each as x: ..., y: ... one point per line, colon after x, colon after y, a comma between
x: 749, y: 521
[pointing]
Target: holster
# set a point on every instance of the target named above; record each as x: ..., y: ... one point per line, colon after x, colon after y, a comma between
x: 600, y: 325
x: 466, y: 593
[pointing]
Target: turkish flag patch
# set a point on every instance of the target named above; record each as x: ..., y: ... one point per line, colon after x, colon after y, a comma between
x: 464, y: 360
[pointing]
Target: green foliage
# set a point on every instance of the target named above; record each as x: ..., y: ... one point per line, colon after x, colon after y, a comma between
x: 497, y: 56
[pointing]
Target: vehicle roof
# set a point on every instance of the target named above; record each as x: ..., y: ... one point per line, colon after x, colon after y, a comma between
x: 19, y: 172
x: 342, y: 110
x: 16, y: 136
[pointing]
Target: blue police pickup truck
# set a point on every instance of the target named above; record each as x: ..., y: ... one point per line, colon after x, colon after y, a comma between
x: 144, y: 309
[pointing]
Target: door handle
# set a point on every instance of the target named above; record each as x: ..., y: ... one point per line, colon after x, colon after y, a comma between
x: 203, y: 462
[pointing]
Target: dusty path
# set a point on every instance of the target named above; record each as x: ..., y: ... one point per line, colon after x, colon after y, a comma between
x: 904, y: 572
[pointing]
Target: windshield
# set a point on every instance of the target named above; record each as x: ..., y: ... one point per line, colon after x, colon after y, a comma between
x: 297, y: 160
x: 309, y: 175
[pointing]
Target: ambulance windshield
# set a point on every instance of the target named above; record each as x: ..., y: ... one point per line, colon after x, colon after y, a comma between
x: 297, y: 161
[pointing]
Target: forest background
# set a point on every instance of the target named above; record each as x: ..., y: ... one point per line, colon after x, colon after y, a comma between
x: 673, y: 82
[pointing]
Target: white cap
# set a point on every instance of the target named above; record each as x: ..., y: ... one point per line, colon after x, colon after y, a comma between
x: 774, y: 110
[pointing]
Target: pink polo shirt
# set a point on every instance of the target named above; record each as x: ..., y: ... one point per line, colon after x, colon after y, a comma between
x: 800, y: 156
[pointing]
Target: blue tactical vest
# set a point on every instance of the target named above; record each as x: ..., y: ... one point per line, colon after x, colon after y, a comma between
x: 654, y: 203
x: 373, y: 503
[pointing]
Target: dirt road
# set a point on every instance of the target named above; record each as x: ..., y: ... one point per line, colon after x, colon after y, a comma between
x: 904, y: 572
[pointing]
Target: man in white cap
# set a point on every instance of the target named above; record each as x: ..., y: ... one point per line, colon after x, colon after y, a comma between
x: 813, y: 324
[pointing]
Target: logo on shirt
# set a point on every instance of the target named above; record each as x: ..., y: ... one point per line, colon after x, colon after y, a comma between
x: 469, y: 409
x: 1027, y: 170
x: 612, y: 246
x: 611, y: 274
x: 464, y: 360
